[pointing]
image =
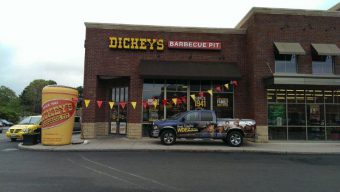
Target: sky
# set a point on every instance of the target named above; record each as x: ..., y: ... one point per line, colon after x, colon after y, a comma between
x: 44, y: 39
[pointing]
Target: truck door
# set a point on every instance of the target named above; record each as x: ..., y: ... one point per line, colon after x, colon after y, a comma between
x: 207, y: 125
x: 189, y: 125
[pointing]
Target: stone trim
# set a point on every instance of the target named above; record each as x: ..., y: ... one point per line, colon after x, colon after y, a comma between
x: 134, y: 130
x: 102, y: 128
x: 261, y: 134
x: 88, y: 130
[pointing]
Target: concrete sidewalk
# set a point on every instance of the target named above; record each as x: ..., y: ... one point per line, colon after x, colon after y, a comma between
x: 150, y: 144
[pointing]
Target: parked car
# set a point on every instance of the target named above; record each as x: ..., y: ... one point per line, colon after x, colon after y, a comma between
x: 29, y: 124
x: 5, y: 123
x: 203, y: 124
x: 1, y: 127
x: 77, y: 124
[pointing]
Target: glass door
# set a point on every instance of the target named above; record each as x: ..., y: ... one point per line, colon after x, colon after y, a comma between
x: 119, y: 110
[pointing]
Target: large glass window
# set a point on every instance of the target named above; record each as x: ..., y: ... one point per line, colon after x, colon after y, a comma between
x: 176, y: 90
x: 285, y: 63
x: 311, y: 114
x: 322, y: 64
x: 183, y: 95
x: 153, y: 94
x: 199, y: 91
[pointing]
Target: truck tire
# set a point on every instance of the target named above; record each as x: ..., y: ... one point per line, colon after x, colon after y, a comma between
x: 168, y: 137
x: 235, y: 139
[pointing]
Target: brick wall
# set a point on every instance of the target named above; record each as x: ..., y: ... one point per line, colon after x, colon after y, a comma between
x: 264, y: 29
x: 100, y: 60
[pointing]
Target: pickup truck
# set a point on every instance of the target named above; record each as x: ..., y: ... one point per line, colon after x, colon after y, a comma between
x: 203, y: 124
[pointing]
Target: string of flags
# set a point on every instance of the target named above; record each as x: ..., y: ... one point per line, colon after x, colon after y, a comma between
x: 155, y: 102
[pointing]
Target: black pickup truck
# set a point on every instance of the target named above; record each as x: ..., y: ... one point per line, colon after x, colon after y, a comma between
x: 203, y: 124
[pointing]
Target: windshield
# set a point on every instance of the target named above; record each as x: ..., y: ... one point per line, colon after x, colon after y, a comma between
x: 176, y: 116
x: 30, y: 120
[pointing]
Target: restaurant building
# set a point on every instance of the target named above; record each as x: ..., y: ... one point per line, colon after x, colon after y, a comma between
x: 280, y: 67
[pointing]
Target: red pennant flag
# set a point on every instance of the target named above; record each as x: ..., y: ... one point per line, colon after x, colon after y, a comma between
x: 164, y: 102
x: 218, y: 89
x: 201, y: 94
x: 122, y: 104
x: 179, y: 101
x: 99, y: 103
x: 235, y: 84
x: 184, y: 99
x: 145, y: 104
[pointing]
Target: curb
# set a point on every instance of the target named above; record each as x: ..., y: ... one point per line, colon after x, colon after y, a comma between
x: 241, y: 150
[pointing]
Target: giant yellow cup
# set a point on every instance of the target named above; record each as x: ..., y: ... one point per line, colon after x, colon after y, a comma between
x: 58, y: 110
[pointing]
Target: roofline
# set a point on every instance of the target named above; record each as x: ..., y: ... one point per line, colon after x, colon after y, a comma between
x: 164, y: 28
x: 336, y: 7
x: 282, y: 11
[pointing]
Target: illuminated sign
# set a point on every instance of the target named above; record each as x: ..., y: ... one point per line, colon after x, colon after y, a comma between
x: 136, y: 43
x: 208, y: 45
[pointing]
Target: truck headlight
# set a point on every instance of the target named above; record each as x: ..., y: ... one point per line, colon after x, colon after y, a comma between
x: 155, y: 127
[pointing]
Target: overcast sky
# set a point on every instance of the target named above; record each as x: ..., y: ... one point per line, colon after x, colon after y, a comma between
x: 42, y: 39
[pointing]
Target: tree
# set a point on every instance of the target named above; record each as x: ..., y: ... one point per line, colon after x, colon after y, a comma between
x: 9, y: 104
x: 30, y: 97
x: 80, y: 96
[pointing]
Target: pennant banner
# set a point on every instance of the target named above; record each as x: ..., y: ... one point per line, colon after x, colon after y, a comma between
x: 99, y: 103
x: 145, y: 104
x: 235, y: 84
x: 87, y: 102
x: 111, y: 103
x: 155, y: 103
x: 164, y: 102
x: 218, y: 89
x: 122, y: 104
x: 226, y: 86
x: 201, y: 94
x: 210, y: 91
x: 193, y: 97
x: 174, y: 100
x: 133, y: 103
x: 184, y: 99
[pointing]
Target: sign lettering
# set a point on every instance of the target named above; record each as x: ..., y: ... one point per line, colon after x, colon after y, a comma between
x: 208, y: 45
x: 136, y: 43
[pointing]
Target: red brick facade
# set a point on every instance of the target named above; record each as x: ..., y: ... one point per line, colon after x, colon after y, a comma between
x: 250, y: 46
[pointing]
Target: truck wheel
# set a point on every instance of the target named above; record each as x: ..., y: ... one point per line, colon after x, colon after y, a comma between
x: 168, y: 137
x: 235, y: 139
x: 13, y: 139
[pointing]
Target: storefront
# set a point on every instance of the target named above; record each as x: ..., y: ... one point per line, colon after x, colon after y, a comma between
x: 277, y: 66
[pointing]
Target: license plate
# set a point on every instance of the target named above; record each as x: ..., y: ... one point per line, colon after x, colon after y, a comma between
x: 13, y: 135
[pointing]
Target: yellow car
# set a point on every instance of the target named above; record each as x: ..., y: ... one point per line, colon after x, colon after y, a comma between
x: 30, y: 124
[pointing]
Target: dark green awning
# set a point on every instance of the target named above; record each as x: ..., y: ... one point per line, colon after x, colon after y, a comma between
x: 326, y: 49
x: 289, y: 48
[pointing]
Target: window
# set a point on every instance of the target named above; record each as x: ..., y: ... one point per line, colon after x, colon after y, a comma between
x: 322, y: 64
x: 206, y: 116
x: 194, y: 116
x: 312, y: 115
x: 285, y: 63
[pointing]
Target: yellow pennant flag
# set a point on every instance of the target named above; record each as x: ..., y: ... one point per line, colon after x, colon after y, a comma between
x: 111, y: 103
x: 210, y: 91
x: 155, y: 103
x: 87, y: 102
x: 193, y: 97
x: 226, y: 86
x: 174, y: 100
x: 134, y: 103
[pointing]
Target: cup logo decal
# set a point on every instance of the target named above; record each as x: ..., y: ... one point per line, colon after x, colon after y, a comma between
x: 56, y: 112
